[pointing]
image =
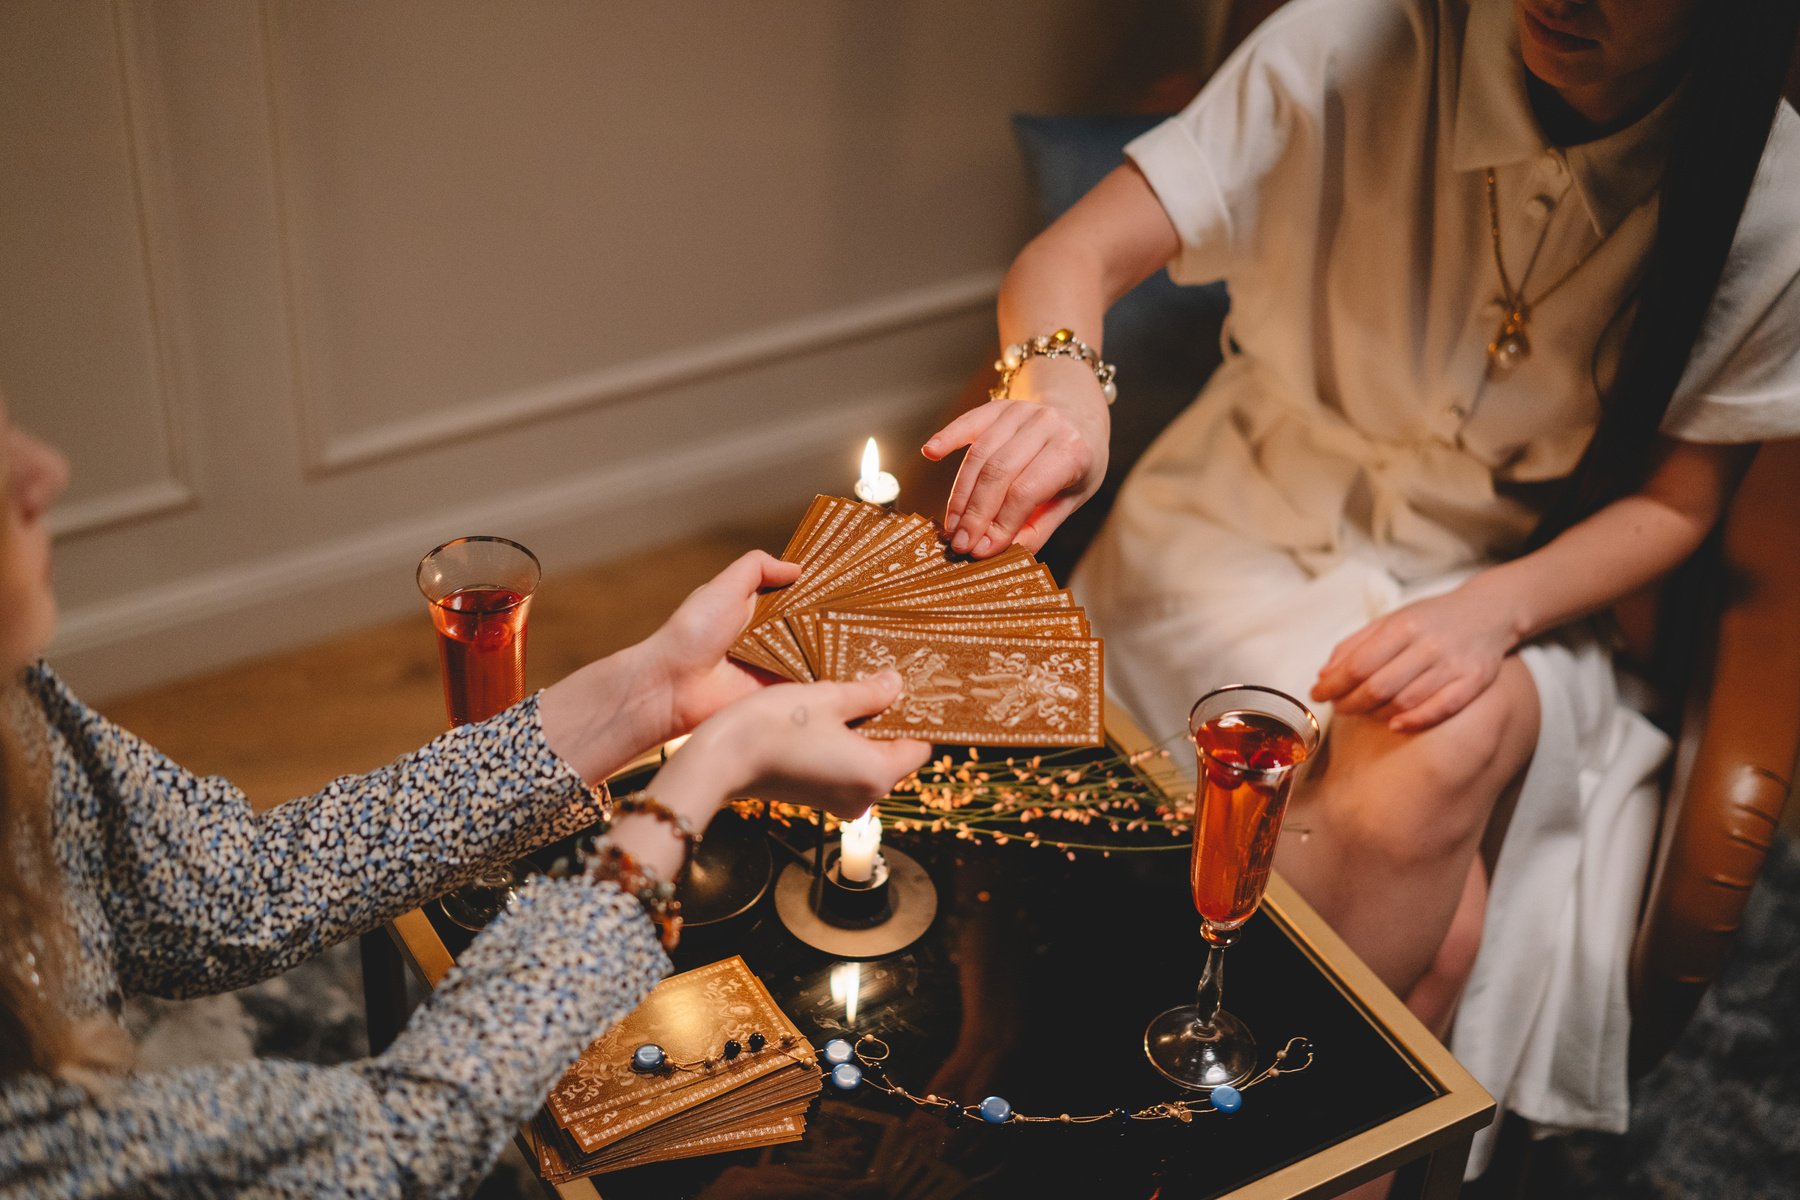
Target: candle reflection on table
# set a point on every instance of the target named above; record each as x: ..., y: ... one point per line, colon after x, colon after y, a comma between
x: 846, y: 989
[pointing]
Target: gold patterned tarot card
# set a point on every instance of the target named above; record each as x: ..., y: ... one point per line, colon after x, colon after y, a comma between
x: 1048, y: 623
x: 838, y: 523
x: 647, y: 1144
x: 880, y: 548
x: 1022, y: 578
x: 558, y: 1162
x: 690, y: 1015
x: 974, y: 689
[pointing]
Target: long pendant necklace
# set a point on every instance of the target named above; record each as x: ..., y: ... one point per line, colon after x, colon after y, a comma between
x: 1510, y: 345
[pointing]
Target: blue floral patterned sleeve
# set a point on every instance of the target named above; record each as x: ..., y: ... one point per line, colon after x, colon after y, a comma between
x: 425, y: 1119
x: 202, y: 894
x: 176, y: 887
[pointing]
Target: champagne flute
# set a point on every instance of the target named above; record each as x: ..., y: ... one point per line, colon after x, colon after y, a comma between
x: 479, y: 590
x: 1249, y: 742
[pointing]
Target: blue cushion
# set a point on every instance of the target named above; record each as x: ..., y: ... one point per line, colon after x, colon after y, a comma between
x: 1163, y: 337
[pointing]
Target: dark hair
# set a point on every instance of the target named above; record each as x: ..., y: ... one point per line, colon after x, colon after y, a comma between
x: 1741, y: 54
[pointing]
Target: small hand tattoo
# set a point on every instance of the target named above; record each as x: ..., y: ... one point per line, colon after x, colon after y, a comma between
x: 798, y: 716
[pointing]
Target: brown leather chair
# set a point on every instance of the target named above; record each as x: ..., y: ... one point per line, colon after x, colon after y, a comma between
x: 1739, y: 737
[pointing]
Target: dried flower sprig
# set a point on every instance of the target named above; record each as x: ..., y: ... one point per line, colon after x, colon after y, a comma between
x: 1065, y: 800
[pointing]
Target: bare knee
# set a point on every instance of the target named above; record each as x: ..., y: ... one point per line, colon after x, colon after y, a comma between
x: 1402, y: 800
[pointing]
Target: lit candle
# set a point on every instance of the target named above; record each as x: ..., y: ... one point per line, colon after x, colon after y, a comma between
x: 876, y: 486
x: 861, y: 842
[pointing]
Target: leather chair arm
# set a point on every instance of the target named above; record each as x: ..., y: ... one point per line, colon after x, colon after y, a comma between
x: 1734, y: 763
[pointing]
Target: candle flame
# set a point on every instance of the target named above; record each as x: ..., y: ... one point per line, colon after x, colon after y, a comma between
x: 868, y: 825
x: 871, y: 464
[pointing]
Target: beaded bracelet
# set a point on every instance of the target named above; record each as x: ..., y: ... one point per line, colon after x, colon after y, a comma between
x: 1061, y: 344
x: 606, y: 862
x: 644, y: 803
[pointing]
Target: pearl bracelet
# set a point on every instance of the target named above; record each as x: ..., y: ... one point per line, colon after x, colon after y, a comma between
x: 1061, y: 344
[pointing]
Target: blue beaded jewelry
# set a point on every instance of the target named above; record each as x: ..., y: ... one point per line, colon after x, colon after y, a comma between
x: 651, y: 1059
x: 872, y: 1053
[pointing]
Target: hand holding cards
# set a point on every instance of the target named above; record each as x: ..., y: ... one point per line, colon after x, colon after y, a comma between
x: 990, y: 653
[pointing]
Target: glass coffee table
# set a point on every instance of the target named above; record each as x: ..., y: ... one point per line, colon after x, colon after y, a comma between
x: 1035, y: 982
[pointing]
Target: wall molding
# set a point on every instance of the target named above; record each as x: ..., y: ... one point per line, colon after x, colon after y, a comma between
x: 325, y: 453
x: 282, y: 600
x: 118, y: 507
x: 146, y: 140
x: 684, y: 365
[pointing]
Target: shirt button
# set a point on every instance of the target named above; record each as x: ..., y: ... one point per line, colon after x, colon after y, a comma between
x: 1540, y: 206
x: 1553, y: 164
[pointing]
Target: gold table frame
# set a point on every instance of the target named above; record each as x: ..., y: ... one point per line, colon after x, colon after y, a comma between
x: 1440, y: 1130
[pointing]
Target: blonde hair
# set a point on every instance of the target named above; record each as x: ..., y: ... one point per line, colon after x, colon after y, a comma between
x: 38, y: 1032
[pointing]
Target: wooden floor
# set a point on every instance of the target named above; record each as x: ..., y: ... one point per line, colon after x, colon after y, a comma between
x: 283, y: 726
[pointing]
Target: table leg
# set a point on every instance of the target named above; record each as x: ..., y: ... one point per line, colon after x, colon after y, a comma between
x: 1444, y: 1170
x: 384, y: 989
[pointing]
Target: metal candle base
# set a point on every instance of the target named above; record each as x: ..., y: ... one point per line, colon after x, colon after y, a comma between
x: 859, y: 922
x: 728, y: 874
x: 851, y: 905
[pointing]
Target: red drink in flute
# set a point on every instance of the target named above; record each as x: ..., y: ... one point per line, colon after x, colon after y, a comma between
x: 1248, y: 741
x: 1244, y: 780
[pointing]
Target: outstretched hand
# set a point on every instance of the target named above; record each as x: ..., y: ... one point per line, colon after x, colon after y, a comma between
x: 1030, y: 462
x: 792, y: 743
x: 689, y: 649
x: 1421, y: 664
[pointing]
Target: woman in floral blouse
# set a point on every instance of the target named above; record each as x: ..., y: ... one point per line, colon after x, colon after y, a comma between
x: 121, y: 873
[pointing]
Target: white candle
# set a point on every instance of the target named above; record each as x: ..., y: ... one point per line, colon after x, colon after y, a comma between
x: 860, y: 842
x: 876, y: 486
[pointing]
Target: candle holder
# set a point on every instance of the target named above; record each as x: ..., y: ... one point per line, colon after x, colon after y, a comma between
x: 729, y: 872
x: 847, y: 919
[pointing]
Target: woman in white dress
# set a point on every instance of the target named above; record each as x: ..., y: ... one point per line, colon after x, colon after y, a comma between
x: 1515, y: 292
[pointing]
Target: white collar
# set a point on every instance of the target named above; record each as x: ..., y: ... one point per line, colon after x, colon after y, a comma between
x: 1494, y: 125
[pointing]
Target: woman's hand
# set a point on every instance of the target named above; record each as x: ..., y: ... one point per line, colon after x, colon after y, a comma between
x: 792, y: 743
x: 1031, y: 462
x: 1423, y: 663
x: 598, y: 717
x: 689, y: 649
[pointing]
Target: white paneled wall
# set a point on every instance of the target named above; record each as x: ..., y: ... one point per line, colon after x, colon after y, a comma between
x: 306, y: 287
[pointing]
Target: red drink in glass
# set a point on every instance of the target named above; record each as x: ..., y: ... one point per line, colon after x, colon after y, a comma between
x: 1250, y: 742
x: 479, y: 591
x: 1244, y: 780
x: 481, y: 644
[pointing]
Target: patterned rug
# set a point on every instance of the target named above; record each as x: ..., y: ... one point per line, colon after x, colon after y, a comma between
x: 1720, y: 1117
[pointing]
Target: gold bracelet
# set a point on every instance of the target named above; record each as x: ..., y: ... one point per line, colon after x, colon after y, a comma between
x: 1061, y: 344
x: 607, y: 863
x: 644, y: 803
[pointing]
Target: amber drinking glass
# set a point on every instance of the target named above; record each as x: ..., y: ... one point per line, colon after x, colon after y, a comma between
x: 479, y: 590
x: 1249, y: 742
